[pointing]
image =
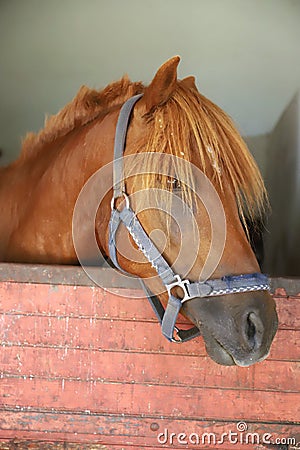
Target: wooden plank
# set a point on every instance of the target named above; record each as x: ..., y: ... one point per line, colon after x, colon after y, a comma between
x: 286, y: 346
x: 47, y: 445
x: 65, y: 275
x: 287, y: 286
x: 288, y: 311
x: 73, y: 301
x: 155, y: 368
x: 132, y: 398
x: 132, y: 335
x: 135, y: 431
x: 108, y: 277
x: 82, y: 301
x: 94, y: 334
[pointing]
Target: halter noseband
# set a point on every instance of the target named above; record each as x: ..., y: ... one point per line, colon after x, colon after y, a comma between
x: 211, y: 288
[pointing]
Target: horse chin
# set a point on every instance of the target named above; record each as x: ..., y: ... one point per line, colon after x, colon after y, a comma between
x: 218, y: 353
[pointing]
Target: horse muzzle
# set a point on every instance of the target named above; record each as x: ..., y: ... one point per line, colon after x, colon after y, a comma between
x: 237, y: 329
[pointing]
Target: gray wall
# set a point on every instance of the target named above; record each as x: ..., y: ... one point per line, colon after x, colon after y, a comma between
x: 244, y: 54
x: 282, y: 174
x: 258, y: 146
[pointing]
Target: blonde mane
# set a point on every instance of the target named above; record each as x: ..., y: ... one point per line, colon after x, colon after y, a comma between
x: 85, y: 107
x: 190, y: 121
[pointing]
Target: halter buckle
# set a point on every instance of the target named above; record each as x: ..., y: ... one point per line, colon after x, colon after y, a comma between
x: 182, y: 284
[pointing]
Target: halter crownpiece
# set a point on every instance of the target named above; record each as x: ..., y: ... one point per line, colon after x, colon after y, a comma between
x: 190, y: 289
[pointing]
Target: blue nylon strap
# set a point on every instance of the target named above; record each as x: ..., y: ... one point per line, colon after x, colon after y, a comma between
x: 154, y: 301
x: 146, y: 246
x: 229, y: 285
x: 166, y: 318
x: 169, y: 319
x: 144, y: 243
x: 119, y: 145
x: 112, y: 248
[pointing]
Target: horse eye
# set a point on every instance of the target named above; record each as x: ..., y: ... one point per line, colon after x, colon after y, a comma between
x: 174, y: 184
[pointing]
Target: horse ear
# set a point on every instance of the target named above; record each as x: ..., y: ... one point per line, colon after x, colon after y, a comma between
x: 189, y: 82
x: 163, y: 84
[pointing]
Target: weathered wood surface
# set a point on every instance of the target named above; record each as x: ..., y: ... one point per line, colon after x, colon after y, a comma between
x: 81, y: 364
x: 48, y: 445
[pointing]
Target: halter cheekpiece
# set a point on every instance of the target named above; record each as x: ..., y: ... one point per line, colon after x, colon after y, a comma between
x: 210, y: 288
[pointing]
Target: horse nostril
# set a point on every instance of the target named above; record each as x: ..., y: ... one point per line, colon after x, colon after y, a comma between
x: 250, y: 331
x: 253, y: 330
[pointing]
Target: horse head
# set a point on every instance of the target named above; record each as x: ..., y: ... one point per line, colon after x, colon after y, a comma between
x: 191, y: 182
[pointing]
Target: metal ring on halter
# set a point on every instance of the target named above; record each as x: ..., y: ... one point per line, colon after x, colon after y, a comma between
x: 113, y: 201
x: 177, y: 340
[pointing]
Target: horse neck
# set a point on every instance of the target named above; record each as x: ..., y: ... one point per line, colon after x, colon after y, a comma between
x: 83, y: 150
x: 53, y: 175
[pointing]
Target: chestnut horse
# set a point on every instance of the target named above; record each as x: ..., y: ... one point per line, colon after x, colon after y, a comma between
x: 38, y: 193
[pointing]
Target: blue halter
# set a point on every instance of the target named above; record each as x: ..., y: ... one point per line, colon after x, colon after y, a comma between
x: 210, y: 288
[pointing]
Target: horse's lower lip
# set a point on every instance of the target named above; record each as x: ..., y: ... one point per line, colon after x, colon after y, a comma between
x: 250, y: 361
x: 218, y: 352
x: 215, y: 349
x: 230, y: 359
x: 236, y: 361
x: 223, y: 352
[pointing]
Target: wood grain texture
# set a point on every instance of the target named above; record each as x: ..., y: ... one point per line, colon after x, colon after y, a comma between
x: 79, y: 364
